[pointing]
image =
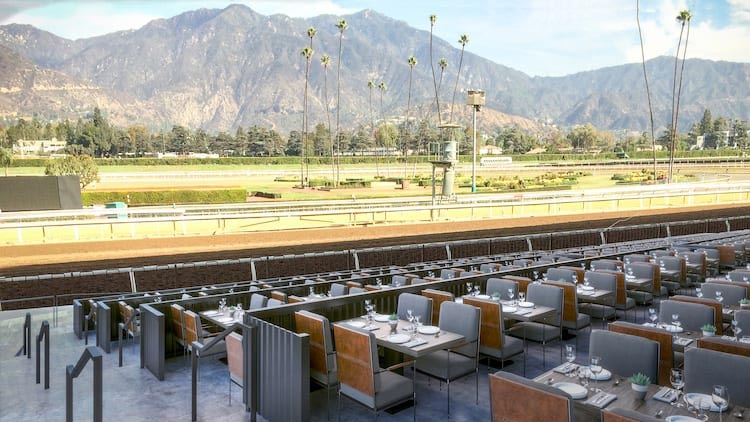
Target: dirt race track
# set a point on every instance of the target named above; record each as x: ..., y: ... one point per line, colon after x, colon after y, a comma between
x: 65, y: 257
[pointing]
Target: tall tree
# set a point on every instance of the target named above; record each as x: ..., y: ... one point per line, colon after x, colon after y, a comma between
x: 325, y: 60
x: 82, y: 166
x: 645, y: 78
x: 463, y: 40
x: 412, y: 61
x: 443, y: 63
x: 370, y: 86
x: 382, y: 87
x: 433, y: 18
x: 341, y: 26
x: 683, y: 17
x: 307, y: 52
x: 6, y: 158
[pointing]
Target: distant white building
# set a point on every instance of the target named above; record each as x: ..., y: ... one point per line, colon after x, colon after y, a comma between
x: 25, y: 147
x: 490, y: 150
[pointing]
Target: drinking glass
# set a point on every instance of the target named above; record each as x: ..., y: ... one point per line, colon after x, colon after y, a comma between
x: 583, y: 377
x: 736, y: 330
x: 536, y: 275
x: 469, y: 287
x: 379, y: 282
x: 410, y: 316
x: 586, y: 281
x: 652, y: 315
x: 312, y: 292
x: 583, y: 265
x: 574, y: 279
x: 677, y: 380
x: 570, y: 356
x: 596, y: 369
x: 476, y: 289
x: 744, y: 279
x: 510, y: 296
x: 676, y: 320
x: 698, y: 292
x: 719, y: 297
x: 720, y: 397
x: 522, y: 296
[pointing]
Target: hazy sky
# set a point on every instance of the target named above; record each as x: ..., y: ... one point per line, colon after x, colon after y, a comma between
x: 539, y: 37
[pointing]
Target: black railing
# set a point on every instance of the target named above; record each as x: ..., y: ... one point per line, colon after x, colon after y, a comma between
x: 26, y: 348
x: 43, y: 335
x: 123, y: 328
x: 90, y: 353
x: 249, y: 365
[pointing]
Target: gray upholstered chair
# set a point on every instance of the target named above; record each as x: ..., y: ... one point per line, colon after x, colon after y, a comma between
x: 257, y: 301
x: 743, y: 320
x: 272, y: 303
x: 322, y: 356
x: 399, y: 280
x: 449, y: 365
x: 501, y: 286
x: 234, y: 361
x: 636, y: 257
x: 361, y: 378
x: 672, y: 272
x: 712, y: 259
x: 695, y: 265
x: 338, y: 289
x: 705, y: 368
x: 731, y: 294
x: 420, y: 306
x: 488, y: 268
x: 522, y: 262
x: 625, y: 354
x: 640, y: 270
x: 548, y: 329
x: 493, y: 343
x: 605, y: 264
x: 561, y: 274
x: 739, y: 276
x: 447, y: 273
x: 353, y: 290
x: 693, y: 316
x: 418, y: 281
x: 603, y: 310
x: 515, y: 398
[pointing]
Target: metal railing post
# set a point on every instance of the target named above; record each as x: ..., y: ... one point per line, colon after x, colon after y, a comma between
x: 26, y: 348
x: 90, y: 353
x: 43, y: 334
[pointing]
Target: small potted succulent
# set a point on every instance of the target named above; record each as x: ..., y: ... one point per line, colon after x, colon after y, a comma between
x: 745, y: 303
x: 393, y: 322
x: 639, y: 383
x: 708, y: 330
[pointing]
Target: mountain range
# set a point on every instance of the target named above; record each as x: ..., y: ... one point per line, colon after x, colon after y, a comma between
x: 222, y: 68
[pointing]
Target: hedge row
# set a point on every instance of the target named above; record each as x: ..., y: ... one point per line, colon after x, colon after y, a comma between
x: 166, y: 197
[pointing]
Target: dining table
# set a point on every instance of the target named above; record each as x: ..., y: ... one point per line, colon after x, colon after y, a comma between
x: 615, y: 392
x: 590, y: 294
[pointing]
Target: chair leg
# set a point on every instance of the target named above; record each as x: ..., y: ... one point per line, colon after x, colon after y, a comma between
x: 338, y: 406
x: 230, y: 390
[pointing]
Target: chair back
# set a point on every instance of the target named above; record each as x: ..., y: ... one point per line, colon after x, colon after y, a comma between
x: 695, y: 263
x: 621, y: 296
x: 351, y: 284
x: 579, y: 271
x: 646, y: 270
x: 743, y: 320
x: 464, y: 320
x: 727, y: 256
x: 338, y: 289
x: 705, y: 368
x: 438, y: 297
x: 400, y: 280
x: 547, y: 295
x: 603, y: 281
x: 322, y: 356
x: 732, y: 294
x: 625, y: 354
x: 489, y: 268
x: 501, y: 286
x: 716, y: 319
x: 561, y: 274
x: 257, y: 301
x: 491, y: 332
x: 739, y: 276
x: 177, y: 323
x: 549, y: 404
x: 522, y: 262
x: 727, y: 346
x: 636, y: 257
x: 693, y: 316
x: 356, y: 357
x: 666, y: 351
x: 272, y: 303
x: 419, y: 305
x: 234, y: 357
x: 447, y: 273
x: 570, y: 300
x: 674, y: 264
x: 193, y: 328
x: 605, y: 264
x: 280, y: 296
x: 523, y: 282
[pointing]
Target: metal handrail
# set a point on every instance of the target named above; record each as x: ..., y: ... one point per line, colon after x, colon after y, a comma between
x: 90, y: 353
x: 122, y: 327
x: 26, y: 348
x: 249, y: 395
x: 43, y: 335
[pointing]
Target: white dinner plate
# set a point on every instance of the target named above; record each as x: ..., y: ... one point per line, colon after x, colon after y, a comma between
x: 672, y: 328
x: 225, y: 320
x: 602, y: 376
x: 382, y: 318
x: 681, y: 418
x: 358, y: 324
x: 428, y: 329
x: 482, y: 296
x: 587, y: 288
x: 526, y: 304
x: 459, y: 300
x: 509, y: 309
x: 397, y: 338
x: 705, y: 400
x: 211, y: 313
x: 576, y: 391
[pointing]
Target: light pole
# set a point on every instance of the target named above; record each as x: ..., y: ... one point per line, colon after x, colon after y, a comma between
x: 475, y: 98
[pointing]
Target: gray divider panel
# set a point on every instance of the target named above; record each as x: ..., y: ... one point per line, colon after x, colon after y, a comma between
x: 103, y: 328
x: 153, y: 337
x: 78, y: 318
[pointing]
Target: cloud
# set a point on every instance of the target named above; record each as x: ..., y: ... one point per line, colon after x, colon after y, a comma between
x: 298, y: 8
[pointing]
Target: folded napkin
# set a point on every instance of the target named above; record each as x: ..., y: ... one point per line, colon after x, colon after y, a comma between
x: 601, y: 399
x: 648, y: 324
x: 416, y: 342
x: 666, y: 394
x: 728, y: 338
x: 726, y: 311
x: 683, y: 341
x: 565, y: 368
x: 371, y: 327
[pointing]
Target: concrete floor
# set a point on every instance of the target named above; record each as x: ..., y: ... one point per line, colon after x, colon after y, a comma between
x: 134, y: 394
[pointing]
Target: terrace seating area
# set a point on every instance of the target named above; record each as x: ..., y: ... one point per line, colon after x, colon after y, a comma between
x: 424, y: 339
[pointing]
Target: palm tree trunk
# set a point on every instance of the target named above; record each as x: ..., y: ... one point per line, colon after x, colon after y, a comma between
x: 432, y: 67
x: 338, y: 111
x: 648, y: 91
x: 682, y: 71
x: 372, y: 129
x: 406, y: 125
x: 458, y: 76
x: 304, y: 125
x: 673, y: 129
x: 328, y: 116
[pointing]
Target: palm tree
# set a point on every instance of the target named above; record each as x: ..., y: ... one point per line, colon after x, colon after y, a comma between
x: 433, y: 18
x: 370, y: 86
x: 341, y: 25
x: 683, y: 17
x: 382, y: 87
x: 645, y: 77
x: 463, y: 40
x: 443, y: 63
x: 307, y: 52
x: 325, y: 60
x: 412, y: 61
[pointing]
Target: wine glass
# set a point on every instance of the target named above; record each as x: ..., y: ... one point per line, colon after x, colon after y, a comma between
x: 312, y: 291
x: 586, y: 282
x: 410, y: 316
x: 678, y: 381
x: 511, y: 294
x: 469, y: 287
x: 719, y: 297
x: 417, y: 324
x: 379, y: 282
x: 720, y: 397
x: 676, y: 320
x: 744, y: 279
x: 736, y: 329
x: 536, y: 275
x: 583, y: 377
x: 698, y: 292
x: 596, y: 369
x: 570, y: 356
x: 652, y: 315
x: 476, y: 290
x: 574, y: 279
x: 521, y: 297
